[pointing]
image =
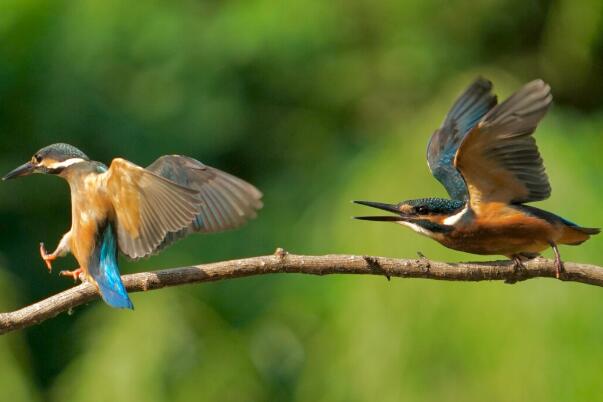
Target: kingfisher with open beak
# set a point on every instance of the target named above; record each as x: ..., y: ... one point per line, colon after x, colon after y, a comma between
x: 138, y: 211
x: 487, y: 159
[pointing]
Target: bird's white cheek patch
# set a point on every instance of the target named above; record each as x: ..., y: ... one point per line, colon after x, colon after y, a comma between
x: 64, y: 164
x: 451, y: 220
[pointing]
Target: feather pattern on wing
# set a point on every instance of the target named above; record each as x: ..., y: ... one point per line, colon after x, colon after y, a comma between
x: 228, y: 202
x: 147, y: 207
x: 466, y: 112
x: 499, y: 159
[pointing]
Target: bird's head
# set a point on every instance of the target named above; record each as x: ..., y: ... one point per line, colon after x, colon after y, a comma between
x: 53, y: 159
x: 428, y: 216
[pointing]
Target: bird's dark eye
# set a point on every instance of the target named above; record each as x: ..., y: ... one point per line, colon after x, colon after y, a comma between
x: 422, y: 209
x: 37, y: 158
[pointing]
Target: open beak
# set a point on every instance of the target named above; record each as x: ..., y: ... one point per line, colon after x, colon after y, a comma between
x: 385, y: 207
x: 24, y: 170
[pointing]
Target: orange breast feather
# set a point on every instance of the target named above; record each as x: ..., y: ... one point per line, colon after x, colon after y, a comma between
x: 499, y: 229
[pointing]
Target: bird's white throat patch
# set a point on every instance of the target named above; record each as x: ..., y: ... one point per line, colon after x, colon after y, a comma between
x: 451, y: 220
x: 66, y: 163
x: 416, y: 228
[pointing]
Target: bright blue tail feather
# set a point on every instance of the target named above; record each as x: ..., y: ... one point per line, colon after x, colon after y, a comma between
x: 103, y: 268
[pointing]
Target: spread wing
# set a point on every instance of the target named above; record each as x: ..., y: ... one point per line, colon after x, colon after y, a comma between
x: 228, y: 202
x: 499, y: 159
x: 468, y: 109
x: 147, y: 207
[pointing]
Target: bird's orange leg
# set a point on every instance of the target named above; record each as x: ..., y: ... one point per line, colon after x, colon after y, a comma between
x: 559, y: 268
x: 62, y: 249
x: 48, y: 258
x: 75, y: 274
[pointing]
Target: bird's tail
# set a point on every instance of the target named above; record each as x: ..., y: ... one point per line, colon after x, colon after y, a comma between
x: 105, y: 272
x: 575, y: 235
x: 588, y: 231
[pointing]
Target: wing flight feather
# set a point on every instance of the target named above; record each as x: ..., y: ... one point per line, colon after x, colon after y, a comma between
x: 466, y: 112
x: 499, y: 159
x: 147, y: 207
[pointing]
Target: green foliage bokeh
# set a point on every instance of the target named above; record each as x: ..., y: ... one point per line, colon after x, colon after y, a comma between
x: 317, y: 103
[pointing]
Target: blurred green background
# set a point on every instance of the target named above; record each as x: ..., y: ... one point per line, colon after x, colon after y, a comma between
x: 317, y: 103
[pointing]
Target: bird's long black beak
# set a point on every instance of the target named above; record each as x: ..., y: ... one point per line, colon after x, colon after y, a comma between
x: 23, y: 170
x: 385, y: 207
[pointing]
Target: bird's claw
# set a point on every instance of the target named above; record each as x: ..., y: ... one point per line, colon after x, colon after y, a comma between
x: 75, y: 274
x: 559, y: 268
x: 518, y: 271
x: 518, y: 265
x: 48, y: 258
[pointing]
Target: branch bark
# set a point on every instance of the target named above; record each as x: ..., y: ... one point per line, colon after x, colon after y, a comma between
x: 283, y: 262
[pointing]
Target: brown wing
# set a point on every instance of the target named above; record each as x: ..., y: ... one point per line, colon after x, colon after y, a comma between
x: 147, y: 207
x: 228, y: 202
x: 466, y: 112
x: 499, y: 159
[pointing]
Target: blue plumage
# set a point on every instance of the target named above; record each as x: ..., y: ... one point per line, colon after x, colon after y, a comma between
x: 436, y: 205
x: 471, y: 107
x: 466, y: 112
x: 104, y: 270
x: 135, y: 210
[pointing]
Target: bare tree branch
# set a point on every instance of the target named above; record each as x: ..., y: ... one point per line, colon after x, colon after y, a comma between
x: 282, y: 262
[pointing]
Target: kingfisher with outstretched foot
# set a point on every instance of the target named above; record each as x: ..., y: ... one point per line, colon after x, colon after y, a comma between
x: 487, y: 159
x: 138, y: 211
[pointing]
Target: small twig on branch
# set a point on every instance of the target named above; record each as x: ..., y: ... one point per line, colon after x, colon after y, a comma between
x: 282, y: 262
